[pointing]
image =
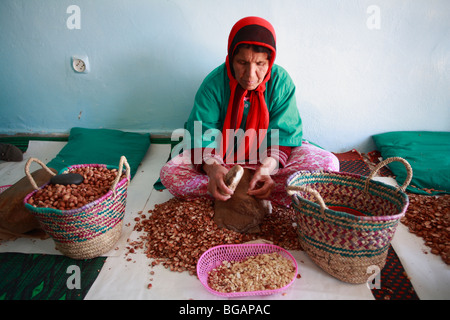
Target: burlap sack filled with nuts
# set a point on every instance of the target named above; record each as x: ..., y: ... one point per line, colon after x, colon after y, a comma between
x: 15, y: 220
x: 242, y: 212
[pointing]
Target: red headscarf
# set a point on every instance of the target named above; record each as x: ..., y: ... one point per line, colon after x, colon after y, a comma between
x: 256, y: 31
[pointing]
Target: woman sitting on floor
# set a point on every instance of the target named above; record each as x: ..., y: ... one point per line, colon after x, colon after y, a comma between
x: 248, y: 104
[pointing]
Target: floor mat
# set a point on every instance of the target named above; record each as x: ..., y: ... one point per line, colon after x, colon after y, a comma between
x: 394, y: 282
x: 46, y: 277
x: 352, y: 161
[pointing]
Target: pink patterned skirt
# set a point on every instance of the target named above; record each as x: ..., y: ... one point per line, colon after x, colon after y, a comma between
x: 183, y: 180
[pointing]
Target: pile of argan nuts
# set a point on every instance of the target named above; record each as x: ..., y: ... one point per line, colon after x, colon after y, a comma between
x: 429, y: 218
x: 267, y: 271
x: 178, y: 232
x: 97, y: 182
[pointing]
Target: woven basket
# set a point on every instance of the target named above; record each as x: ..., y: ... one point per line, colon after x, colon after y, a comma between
x: 91, y: 230
x: 3, y: 188
x: 346, y: 221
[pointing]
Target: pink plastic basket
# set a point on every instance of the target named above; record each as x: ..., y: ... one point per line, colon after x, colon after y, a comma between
x: 213, y: 257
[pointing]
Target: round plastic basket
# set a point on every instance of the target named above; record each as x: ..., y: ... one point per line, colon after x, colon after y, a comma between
x: 213, y: 257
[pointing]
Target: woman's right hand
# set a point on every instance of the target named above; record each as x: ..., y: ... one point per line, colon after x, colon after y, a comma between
x: 216, y: 185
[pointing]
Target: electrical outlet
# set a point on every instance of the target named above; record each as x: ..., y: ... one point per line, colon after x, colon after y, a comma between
x: 80, y: 64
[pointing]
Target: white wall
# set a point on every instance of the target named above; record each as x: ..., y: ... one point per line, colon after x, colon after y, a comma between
x: 148, y: 58
x: 354, y: 81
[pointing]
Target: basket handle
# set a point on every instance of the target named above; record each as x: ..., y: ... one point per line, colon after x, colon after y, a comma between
x: 292, y: 190
x: 30, y: 177
x: 385, y: 162
x: 123, y: 161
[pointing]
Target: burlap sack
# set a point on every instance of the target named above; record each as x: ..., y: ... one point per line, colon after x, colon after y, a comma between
x: 15, y: 220
x: 242, y: 213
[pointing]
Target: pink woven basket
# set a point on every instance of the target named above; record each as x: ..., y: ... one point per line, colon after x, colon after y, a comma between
x: 3, y: 188
x: 213, y: 257
x: 89, y: 231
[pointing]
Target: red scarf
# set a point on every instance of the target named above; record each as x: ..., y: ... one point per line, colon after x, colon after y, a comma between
x: 257, y: 31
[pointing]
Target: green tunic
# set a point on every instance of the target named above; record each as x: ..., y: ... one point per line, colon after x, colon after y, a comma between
x: 211, y: 103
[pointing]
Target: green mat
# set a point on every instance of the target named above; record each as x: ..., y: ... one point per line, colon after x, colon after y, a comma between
x: 46, y: 277
x: 104, y: 146
x: 428, y: 153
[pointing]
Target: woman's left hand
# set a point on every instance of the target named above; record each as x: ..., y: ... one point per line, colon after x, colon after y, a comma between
x: 261, y: 185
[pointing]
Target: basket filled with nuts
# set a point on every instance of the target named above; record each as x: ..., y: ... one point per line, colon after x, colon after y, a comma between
x: 238, y: 270
x: 82, y: 207
x: 346, y: 221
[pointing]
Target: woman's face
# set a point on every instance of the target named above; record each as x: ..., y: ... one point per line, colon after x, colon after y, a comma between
x: 250, y: 68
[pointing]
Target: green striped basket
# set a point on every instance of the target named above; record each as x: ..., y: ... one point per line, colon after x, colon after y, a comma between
x: 346, y: 221
x: 91, y: 230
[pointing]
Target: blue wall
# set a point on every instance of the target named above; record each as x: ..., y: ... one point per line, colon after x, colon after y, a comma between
x: 148, y: 57
x: 135, y: 80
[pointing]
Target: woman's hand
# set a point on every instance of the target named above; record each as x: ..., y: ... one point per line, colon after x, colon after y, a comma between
x: 216, y: 185
x: 261, y: 185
